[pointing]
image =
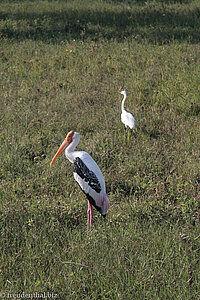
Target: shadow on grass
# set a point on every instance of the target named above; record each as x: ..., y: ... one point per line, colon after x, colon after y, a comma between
x: 157, y: 24
x: 121, y: 188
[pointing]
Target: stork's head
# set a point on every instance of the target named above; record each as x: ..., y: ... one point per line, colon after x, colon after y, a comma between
x: 69, y: 136
x: 67, y: 141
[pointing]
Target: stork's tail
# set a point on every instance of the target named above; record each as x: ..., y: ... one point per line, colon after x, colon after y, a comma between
x: 105, y: 205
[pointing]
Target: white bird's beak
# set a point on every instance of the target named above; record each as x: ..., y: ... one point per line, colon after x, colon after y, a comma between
x: 60, y: 150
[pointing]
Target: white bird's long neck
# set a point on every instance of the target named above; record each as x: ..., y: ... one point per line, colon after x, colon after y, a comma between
x: 123, y: 102
x: 70, y: 150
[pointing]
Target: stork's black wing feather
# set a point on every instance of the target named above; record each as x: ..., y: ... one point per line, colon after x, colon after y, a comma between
x: 87, y: 175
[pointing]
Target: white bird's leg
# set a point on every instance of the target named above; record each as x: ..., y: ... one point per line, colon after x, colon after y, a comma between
x: 90, y: 214
x: 125, y: 132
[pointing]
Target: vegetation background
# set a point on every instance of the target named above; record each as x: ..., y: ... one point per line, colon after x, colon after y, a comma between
x: 61, y: 66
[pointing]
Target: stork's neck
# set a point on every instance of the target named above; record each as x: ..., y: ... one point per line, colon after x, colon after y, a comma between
x: 70, y: 152
x: 123, y: 101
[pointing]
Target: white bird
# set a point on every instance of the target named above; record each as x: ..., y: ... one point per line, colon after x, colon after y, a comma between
x: 87, y: 174
x: 126, y: 117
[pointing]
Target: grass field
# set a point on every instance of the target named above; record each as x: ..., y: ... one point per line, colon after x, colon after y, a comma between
x: 61, y: 66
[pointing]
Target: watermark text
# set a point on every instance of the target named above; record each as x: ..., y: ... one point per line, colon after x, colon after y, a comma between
x: 23, y: 295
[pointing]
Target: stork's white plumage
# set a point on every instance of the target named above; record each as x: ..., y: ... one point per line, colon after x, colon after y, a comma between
x: 126, y: 117
x: 87, y: 174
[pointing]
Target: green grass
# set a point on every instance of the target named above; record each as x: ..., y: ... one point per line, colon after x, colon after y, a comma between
x: 61, y: 66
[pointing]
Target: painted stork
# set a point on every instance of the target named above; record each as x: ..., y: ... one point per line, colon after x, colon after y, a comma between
x: 87, y: 174
x: 126, y: 117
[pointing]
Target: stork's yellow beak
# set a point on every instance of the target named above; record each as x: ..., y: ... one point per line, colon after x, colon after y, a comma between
x: 60, y: 150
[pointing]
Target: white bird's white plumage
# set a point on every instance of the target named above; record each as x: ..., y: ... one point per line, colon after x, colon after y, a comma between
x: 126, y: 117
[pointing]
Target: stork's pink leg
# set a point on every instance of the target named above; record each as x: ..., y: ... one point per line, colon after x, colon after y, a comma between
x: 90, y: 213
